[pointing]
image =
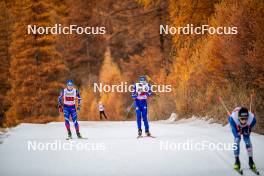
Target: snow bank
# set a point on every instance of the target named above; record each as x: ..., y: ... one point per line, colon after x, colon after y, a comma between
x: 171, y: 119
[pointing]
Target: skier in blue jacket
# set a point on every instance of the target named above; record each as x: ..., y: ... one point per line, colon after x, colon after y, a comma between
x: 242, y: 121
x: 67, y: 101
x: 141, y: 91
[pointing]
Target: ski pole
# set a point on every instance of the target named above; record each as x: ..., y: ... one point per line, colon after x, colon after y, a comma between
x: 223, y: 104
x: 128, y: 110
x: 149, y: 79
x: 250, y: 103
x: 251, y: 100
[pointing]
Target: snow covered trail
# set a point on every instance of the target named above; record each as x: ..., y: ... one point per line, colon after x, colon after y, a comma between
x: 123, y: 154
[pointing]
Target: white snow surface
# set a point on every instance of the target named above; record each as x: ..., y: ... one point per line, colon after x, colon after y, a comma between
x: 124, y: 154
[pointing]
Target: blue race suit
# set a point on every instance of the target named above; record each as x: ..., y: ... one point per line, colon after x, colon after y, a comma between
x: 67, y: 98
x: 140, y: 103
x: 239, y: 130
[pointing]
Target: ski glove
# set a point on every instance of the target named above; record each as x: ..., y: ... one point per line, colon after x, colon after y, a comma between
x: 79, y: 107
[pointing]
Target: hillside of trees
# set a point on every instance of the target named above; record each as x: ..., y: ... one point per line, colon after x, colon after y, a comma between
x: 200, y: 68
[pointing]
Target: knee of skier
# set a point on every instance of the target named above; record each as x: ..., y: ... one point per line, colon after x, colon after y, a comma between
x: 74, y: 118
x: 247, y: 142
x: 145, y: 119
x: 248, y: 145
x: 76, y: 123
x: 74, y: 115
x: 66, y: 118
x: 67, y: 121
x: 237, y: 140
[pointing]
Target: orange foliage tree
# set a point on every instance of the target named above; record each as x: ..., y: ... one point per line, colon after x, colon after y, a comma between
x: 36, y: 66
x: 113, y: 101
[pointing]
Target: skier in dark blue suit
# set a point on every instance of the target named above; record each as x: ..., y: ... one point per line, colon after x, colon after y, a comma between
x: 141, y: 91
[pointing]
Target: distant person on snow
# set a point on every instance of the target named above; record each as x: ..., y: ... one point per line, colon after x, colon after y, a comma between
x: 67, y: 100
x: 101, y: 110
x: 140, y: 93
x: 242, y: 121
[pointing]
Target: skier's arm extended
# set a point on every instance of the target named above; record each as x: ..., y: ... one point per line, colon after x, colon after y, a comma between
x: 233, y: 125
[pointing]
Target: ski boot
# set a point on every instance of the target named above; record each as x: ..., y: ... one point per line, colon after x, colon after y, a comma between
x: 78, y: 134
x: 237, y: 164
x: 148, y: 133
x: 252, y: 165
x: 139, y: 133
x: 69, y: 135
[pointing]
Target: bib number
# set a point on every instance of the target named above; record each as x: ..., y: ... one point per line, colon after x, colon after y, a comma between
x: 69, y: 98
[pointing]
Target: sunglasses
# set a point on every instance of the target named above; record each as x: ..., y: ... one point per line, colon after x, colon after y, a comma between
x: 243, y: 119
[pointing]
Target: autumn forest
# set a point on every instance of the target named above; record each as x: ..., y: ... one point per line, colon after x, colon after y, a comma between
x: 200, y: 68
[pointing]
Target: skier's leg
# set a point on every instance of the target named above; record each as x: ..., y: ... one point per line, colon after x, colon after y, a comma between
x: 75, y: 122
x: 104, y: 115
x: 66, y: 117
x: 236, y: 152
x: 138, y: 114
x: 248, y: 145
x: 237, y: 139
x: 237, y: 146
x: 74, y: 119
x: 145, y: 117
x: 100, y: 115
x: 67, y: 114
